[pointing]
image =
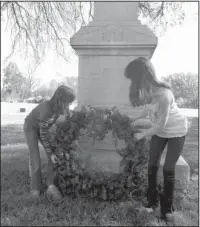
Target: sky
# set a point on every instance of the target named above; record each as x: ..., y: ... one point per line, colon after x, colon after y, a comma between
x: 177, y: 51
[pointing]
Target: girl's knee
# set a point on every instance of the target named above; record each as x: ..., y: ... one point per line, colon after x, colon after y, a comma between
x: 34, y: 166
x: 153, y: 167
x: 168, y: 168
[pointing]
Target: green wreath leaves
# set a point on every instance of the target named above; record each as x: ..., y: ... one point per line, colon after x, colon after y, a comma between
x: 72, y: 175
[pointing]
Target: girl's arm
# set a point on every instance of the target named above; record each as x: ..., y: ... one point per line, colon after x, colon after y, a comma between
x: 140, y: 114
x: 44, y: 136
x: 164, y: 108
x: 60, y: 120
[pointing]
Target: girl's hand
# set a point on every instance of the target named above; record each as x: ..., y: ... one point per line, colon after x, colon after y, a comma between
x: 138, y: 136
x: 54, y: 158
x: 74, y: 145
x: 132, y: 125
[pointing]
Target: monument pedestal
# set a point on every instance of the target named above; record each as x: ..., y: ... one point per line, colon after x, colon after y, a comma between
x: 102, y: 152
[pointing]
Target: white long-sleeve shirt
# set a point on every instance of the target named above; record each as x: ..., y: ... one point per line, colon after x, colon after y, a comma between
x: 164, y: 111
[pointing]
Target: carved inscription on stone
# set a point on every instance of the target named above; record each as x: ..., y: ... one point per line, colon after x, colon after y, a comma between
x: 110, y: 36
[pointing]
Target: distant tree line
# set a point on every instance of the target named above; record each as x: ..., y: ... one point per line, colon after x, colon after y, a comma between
x: 19, y: 87
x: 185, y: 89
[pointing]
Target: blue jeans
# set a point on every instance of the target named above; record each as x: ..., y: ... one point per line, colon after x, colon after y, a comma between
x: 174, y: 149
x: 32, y: 139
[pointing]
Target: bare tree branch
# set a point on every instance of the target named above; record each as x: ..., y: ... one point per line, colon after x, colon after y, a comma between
x: 90, y: 12
x: 37, y: 26
x: 159, y: 12
x: 83, y: 21
x: 21, y: 27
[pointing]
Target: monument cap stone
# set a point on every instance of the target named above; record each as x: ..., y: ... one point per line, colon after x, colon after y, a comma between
x: 115, y: 26
x: 123, y: 11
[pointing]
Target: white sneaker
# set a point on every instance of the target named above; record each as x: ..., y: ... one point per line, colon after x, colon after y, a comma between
x: 149, y: 210
x: 53, y: 192
x: 35, y: 194
x: 142, y: 208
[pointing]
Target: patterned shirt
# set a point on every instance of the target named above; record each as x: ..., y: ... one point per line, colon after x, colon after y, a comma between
x: 42, y: 119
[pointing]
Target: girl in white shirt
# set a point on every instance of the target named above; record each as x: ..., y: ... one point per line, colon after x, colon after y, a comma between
x: 169, y: 126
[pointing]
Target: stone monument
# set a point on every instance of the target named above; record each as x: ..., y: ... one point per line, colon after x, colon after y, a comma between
x: 113, y: 39
x: 105, y: 46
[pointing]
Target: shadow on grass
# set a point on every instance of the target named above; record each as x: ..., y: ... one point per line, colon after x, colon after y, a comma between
x: 18, y: 209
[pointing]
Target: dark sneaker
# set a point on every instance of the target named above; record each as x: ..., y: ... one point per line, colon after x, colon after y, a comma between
x: 166, y: 209
x: 153, y: 199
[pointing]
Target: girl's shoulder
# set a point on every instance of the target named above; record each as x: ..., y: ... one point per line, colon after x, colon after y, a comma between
x: 45, y: 110
x: 167, y: 95
x: 164, y: 96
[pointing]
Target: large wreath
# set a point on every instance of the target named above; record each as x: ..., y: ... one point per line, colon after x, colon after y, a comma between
x: 71, y: 170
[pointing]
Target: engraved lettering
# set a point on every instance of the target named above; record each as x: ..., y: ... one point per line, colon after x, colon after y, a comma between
x: 112, y: 36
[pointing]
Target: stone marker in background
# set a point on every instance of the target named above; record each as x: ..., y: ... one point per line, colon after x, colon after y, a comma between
x: 105, y: 47
x: 182, y: 172
x: 22, y: 110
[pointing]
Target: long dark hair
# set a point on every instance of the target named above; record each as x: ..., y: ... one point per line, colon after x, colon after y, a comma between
x: 142, y: 74
x: 62, y: 95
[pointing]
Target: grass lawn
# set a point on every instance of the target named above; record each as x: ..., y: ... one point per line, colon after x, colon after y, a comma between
x: 18, y: 209
x: 12, y: 134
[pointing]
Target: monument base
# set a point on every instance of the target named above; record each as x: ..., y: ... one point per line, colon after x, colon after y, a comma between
x: 102, y: 153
